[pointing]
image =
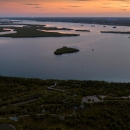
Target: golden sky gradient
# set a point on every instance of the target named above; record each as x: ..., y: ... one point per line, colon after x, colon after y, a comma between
x: 63, y: 8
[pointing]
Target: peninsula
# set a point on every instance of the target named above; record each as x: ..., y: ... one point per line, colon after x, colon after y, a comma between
x: 2, y: 30
x: 65, y: 50
x: 36, y: 31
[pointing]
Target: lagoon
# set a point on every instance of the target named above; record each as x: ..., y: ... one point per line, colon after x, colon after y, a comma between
x: 101, y: 56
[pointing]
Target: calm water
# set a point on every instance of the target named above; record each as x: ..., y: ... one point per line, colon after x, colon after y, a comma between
x: 34, y: 57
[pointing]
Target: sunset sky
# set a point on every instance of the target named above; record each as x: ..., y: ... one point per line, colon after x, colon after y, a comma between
x: 65, y: 8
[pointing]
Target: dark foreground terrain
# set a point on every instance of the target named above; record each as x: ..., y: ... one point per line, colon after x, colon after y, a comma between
x: 35, y: 104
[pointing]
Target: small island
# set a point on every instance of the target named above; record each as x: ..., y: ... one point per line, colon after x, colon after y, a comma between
x: 83, y: 30
x: 65, y: 50
x: 116, y: 32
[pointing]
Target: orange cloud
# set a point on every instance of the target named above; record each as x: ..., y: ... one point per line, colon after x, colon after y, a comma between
x: 65, y: 7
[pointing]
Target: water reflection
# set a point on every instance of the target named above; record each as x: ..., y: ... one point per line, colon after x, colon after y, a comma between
x: 34, y: 57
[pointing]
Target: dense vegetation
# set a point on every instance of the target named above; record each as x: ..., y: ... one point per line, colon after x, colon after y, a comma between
x: 64, y: 50
x: 36, y: 31
x: 57, y: 104
x: 1, y: 30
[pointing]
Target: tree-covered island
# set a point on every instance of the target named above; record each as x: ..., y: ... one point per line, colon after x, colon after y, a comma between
x: 80, y: 30
x: 65, y: 50
x: 116, y: 32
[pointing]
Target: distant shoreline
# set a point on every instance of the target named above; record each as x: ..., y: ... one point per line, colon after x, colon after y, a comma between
x: 116, y: 21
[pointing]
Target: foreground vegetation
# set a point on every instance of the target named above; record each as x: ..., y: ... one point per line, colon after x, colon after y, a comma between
x: 36, y: 31
x: 57, y: 104
x: 65, y: 50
